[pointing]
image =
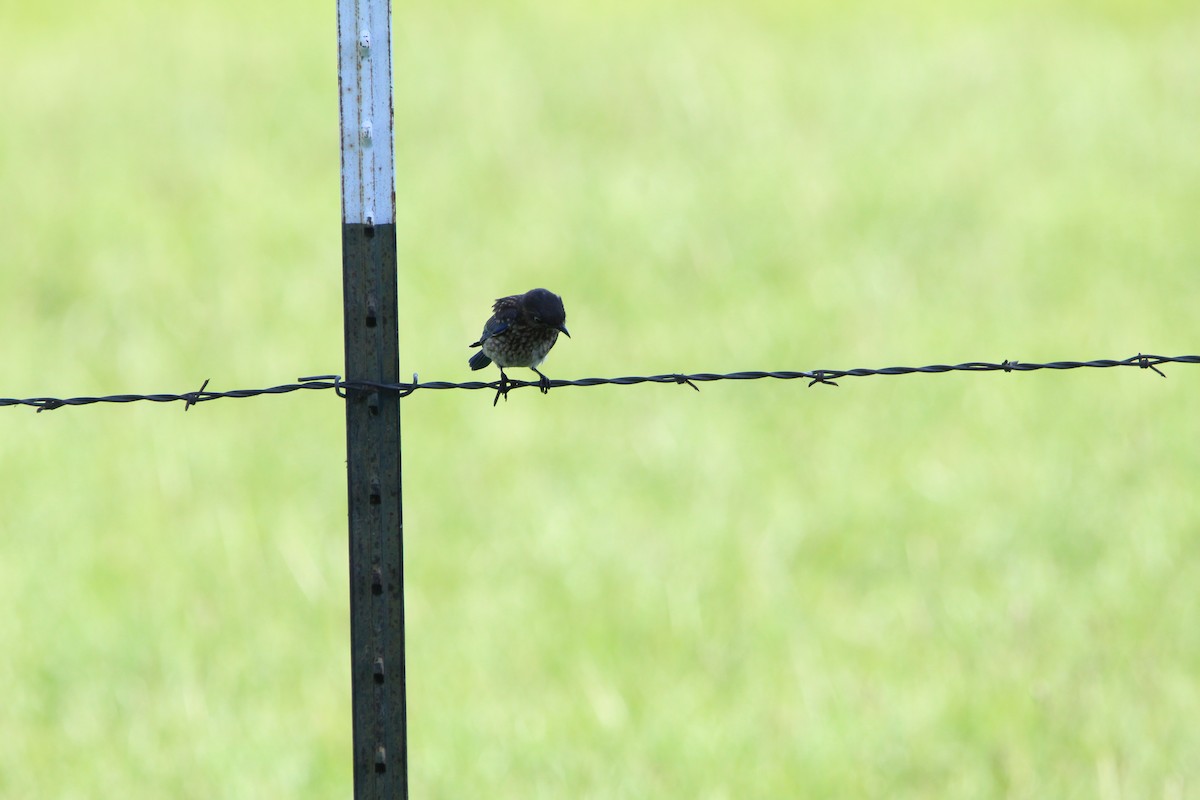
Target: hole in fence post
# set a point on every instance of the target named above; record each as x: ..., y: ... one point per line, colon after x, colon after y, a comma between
x: 380, y: 760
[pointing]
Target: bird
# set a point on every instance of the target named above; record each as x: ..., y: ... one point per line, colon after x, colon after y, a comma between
x: 520, y: 332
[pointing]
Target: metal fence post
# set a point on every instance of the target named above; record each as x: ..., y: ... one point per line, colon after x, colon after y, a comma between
x: 372, y: 417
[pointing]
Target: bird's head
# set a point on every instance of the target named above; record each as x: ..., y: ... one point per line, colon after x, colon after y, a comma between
x: 546, y: 308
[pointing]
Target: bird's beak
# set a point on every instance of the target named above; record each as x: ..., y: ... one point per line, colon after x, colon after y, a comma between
x: 563, y: 328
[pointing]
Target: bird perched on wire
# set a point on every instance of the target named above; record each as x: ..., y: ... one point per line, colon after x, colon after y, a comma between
x: 520, y: 333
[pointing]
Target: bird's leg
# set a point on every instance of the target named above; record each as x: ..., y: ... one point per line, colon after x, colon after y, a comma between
x: 544, y: 383
x: 502, y: 389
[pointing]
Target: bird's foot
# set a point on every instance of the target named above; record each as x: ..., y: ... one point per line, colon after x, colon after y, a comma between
x: 544, y: 383
x: 502, y: 389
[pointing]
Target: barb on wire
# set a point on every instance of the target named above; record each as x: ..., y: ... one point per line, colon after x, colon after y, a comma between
x: 828, y: 377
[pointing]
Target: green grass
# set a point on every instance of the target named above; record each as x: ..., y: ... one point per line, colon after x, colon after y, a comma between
x: 952, y: 586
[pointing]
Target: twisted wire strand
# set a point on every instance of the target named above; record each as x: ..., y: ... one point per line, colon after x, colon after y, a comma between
x: 827, y: 377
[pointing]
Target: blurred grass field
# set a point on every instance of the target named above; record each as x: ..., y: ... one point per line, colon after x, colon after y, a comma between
x: 950, y: 586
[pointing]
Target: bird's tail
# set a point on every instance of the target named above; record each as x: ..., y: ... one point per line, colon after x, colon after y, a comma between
x: 479, y: 360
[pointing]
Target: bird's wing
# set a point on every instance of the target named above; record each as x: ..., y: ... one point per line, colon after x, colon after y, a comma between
x: 493, y: 327
x: 506, y: 311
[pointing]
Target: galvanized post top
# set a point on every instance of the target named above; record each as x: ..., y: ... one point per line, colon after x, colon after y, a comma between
x: 365, y: 83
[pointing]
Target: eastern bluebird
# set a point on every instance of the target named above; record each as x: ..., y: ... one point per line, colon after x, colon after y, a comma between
x: 520, y: 333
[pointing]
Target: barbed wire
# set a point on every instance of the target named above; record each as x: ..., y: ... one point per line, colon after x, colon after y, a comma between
x: 827, y: 377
